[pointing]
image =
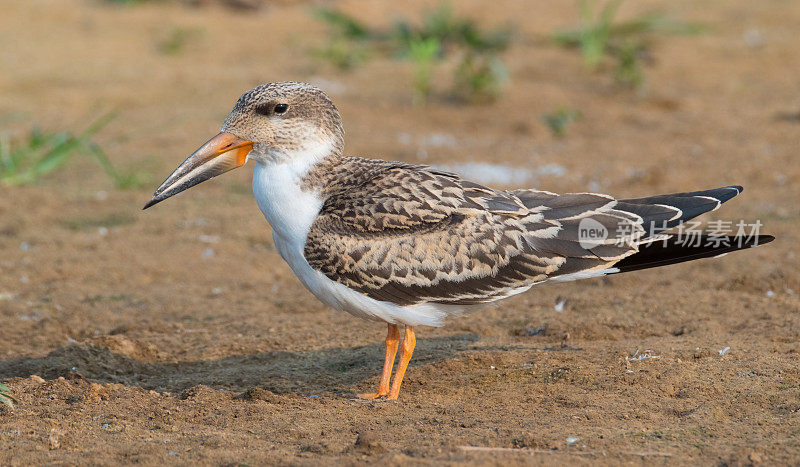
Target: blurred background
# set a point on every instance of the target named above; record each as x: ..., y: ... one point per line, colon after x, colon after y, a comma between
x: 101, y: 99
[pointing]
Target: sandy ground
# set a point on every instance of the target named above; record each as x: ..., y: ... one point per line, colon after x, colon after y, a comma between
x: 177, y: 335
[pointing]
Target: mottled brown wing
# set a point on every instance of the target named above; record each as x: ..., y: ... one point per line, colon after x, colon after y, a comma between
x: 409, y: 234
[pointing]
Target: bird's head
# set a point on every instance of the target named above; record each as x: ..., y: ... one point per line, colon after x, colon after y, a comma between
x: 272, y: 123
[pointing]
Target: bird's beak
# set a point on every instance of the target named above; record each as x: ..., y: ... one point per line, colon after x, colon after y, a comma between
x: 220, y: 154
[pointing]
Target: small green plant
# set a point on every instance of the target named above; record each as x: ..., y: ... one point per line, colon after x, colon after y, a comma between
x: 344, y: 25
x: 342, y: 53
x: 6, y: 397
x: 26, y: 160
x: 423, y: 53
x: 593, y: 34
x: 451, y: 32
x: 348, y: 42
x: 626, y: 42
x: 480, y: 73
x: 629, y: 71
x: 177, y: 39
x: 558, y: 120
x: 478, y: 77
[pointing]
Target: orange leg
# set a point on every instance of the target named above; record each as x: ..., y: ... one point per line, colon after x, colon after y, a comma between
x: 409, y: 342
x: 392, y: 342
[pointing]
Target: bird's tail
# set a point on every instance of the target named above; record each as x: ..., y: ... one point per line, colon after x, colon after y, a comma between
x: 675, y: 249
x: 663, y: 212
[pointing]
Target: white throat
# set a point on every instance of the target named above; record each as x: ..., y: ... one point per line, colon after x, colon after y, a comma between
x: 277, y: 186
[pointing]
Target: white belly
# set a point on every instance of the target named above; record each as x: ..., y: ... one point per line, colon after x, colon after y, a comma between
x: 290, y: 211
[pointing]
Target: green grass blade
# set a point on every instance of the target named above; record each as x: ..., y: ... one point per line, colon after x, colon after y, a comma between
x: 656, y: 23
x: 6, y: 162
x: 43, y: 152
x: 345, y: 24
x: 50, y: 161
x: 98, y: 124
x: 6, y: 397
x: 37, y: 142
x: 104, y: 161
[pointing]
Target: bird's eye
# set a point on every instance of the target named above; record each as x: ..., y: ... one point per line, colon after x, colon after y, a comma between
x: 281, y: 108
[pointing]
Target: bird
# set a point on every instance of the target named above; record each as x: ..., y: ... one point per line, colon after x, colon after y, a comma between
x: 410, y: 245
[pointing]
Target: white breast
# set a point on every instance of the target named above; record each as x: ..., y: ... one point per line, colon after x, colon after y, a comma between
x: 288, y: 208
x: 290, y: 211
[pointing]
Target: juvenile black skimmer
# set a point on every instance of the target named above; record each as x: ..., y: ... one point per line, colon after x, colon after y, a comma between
x: 411, y: 245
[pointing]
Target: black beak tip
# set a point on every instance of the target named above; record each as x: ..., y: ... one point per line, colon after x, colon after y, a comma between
x: 151, y: 202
